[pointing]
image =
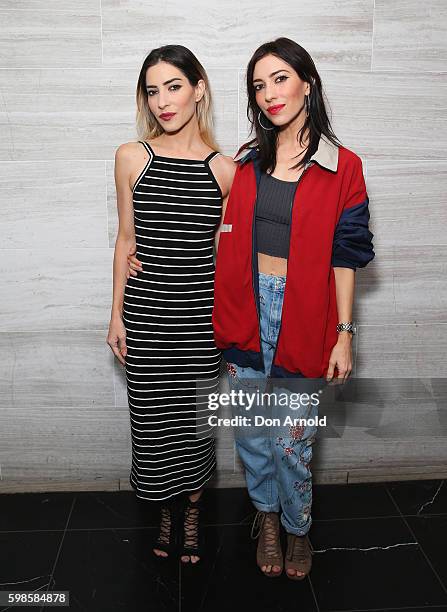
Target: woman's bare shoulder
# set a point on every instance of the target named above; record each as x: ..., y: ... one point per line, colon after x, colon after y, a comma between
x: 227, y: 160
x: 224, y: 168
x: 225, y: 164
x: 128, y: 149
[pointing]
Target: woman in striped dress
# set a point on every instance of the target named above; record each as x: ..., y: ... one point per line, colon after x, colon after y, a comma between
x: 170, y: 191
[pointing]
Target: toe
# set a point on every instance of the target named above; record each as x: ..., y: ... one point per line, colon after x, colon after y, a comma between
x: 293, y: 572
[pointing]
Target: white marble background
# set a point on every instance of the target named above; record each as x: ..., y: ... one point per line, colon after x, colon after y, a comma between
x: 68, y: 72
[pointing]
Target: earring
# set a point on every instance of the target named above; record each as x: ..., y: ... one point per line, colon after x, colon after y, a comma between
x: 263, y: 127
x: 307, y: 105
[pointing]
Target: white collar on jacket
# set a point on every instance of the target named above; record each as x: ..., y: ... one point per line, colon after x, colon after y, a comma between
x: 326, y: 154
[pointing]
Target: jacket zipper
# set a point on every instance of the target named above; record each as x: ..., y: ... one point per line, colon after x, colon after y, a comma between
x: 269, y: 377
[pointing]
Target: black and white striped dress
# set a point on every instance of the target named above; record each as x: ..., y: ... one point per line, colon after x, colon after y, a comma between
x: 167, y: 314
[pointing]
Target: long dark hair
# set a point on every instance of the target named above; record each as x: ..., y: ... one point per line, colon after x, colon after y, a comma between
x: 185, y: 60
x: 317, y: 122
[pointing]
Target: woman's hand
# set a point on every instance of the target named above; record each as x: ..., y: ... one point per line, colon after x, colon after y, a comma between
x: 116, y: 338
x: 134, y: 264
x: 341, y: 358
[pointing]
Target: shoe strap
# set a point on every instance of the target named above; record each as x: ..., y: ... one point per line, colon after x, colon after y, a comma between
x: 270, y: 536
x: 165, y: 525
x: 257, y: 524
x: 295, y: 553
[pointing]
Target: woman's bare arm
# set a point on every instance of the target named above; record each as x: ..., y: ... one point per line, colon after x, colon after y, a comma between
x: 341, y: 355
x: 125, y: 239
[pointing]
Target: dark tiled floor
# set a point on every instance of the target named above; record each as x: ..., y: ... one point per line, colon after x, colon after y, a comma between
x: 376, y: 547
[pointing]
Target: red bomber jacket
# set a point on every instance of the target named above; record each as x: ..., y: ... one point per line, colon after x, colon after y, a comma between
x: 329, y: 227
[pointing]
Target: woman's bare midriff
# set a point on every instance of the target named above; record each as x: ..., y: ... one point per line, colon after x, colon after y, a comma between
x: 267, y: 264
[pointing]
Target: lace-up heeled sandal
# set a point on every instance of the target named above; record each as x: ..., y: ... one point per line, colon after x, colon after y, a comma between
x: 266, y: 528
x: 167, y: 537
x: 298, y: 555
x: 192, y: 535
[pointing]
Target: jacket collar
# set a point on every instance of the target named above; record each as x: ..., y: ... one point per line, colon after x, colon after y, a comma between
x: 326, y: 155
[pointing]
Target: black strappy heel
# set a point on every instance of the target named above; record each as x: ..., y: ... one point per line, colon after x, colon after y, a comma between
x: 167, y: 539
x: 192, y: 543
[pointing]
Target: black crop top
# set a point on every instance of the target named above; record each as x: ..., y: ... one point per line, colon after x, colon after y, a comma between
x: 273, y: 208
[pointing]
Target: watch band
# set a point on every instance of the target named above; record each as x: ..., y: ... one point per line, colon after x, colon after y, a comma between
x: 349, y: 327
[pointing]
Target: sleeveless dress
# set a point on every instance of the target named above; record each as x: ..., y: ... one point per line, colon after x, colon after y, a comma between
x: 167, y: 315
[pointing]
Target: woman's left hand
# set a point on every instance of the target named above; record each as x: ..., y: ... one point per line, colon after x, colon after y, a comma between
x: 341, y: 358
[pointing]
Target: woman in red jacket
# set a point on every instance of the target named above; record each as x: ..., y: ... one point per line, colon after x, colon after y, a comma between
x: 293, y: 232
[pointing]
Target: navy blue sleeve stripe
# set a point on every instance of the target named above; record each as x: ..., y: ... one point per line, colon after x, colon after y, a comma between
x: 352, y: 246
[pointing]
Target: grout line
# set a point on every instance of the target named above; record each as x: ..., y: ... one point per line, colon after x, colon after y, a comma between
x: 106, y: 198
x: 100, y: 27
x: 216, y: 525
x: 313, y: 591
x: 238, y: 108
x: 126, y: 67
x: 60, y: 546
x: 372, y: 36
x: 213, y: 569
x: 43, y: 10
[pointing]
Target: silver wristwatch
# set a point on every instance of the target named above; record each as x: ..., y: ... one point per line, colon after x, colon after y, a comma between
x: 349, y: 327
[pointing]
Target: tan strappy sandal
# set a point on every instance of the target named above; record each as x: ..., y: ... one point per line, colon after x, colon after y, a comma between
x: 298, y: 555
x: 266, y: 528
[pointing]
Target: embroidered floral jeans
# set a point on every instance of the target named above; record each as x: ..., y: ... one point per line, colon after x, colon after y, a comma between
x: 277, y: 468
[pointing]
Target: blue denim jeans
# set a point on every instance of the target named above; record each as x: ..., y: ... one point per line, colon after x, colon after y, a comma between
x: 277, y: 468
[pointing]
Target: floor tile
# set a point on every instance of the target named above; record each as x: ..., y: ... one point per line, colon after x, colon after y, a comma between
x: 112, y: 509
x: 431, y: 533
x: 420, y: 496
x: 398, y: 576
x: 351, y: 501
x: 22, y: 511
x: 27, y: 560
x: 232, y: 579
x: 115, y: 569
x: 227, y: 507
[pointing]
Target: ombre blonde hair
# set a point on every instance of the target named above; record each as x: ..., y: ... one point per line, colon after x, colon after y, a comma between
x: 183, y: 59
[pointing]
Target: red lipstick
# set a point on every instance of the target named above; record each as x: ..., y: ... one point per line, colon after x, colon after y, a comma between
x: 166, y: 116
x: 273, y: 110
